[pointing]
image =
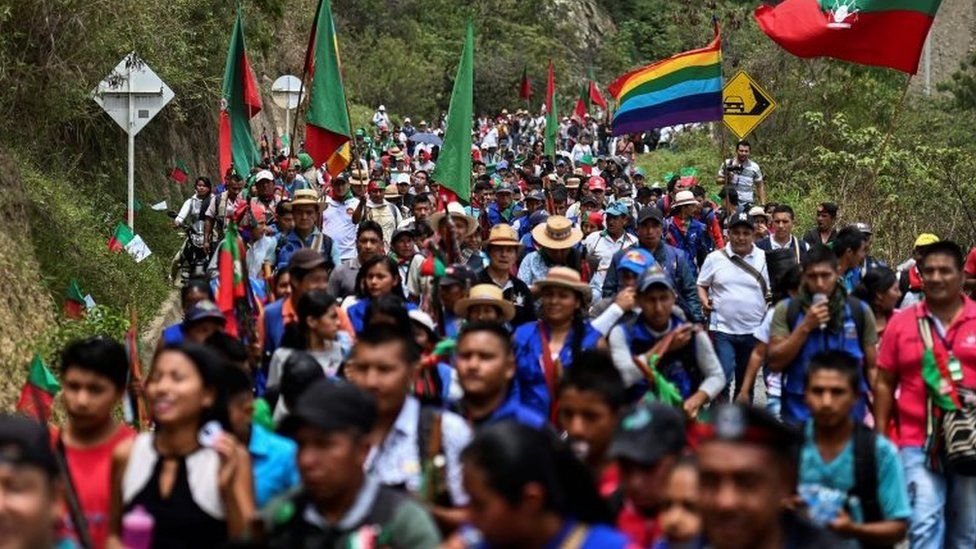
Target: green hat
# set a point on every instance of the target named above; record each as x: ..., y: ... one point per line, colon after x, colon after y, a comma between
x: 586, y: 160
x: 305, y: 160
x: 689, y: 172
x: 360, y: 132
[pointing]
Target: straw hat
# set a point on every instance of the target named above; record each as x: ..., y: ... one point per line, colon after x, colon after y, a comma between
x: 485, y: 294
x: 564, y: 277
x: 557, y: 233
x: 684, y: 198
x: 572, y: 182
x: 391, y: 191
x: 306, y: 197
x: 456, y: 211
x: 359, y: 178
x: 503, y: 235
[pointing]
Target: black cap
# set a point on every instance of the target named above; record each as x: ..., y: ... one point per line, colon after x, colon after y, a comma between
x: 748, y: 424
x: 650, y: 212
x: 203, y: 310
x: 25, y: 443
x: 331, y: 406
x: 647, y: 432
x: 306, y: 259
x: 741, y: 218
x: 457, y: 274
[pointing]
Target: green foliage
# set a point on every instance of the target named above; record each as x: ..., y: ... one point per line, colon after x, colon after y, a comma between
x: 963, y: 84
x: 100, y: 321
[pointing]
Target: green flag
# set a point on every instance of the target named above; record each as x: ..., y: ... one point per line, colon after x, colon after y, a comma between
x: 239, y: 103
x: 453, y: 169
x: 552, y: 129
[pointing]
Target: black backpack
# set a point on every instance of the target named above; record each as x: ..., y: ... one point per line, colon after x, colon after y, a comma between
x: 866, y: 476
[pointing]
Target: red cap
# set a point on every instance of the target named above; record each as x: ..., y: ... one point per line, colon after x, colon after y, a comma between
x: 372, y: 186
x: 597, y: 182
x: 595, y: 218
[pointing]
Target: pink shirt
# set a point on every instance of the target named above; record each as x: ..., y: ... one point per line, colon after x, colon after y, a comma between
x: 901, y: 354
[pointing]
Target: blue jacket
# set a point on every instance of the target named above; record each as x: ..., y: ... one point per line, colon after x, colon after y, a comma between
x: 530, y: 378
x: 514, y: 409
x: 357, y: 313
x: 676, y: 265
x: 274, y: 326
x: 291, y: 243
x: 496, y: 216
x: 273, y: 464
x: 694, y: 241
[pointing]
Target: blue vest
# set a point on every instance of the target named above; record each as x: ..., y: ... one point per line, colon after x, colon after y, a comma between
x: 679, y: 367
x: 530, y: 379
x: 794, y: 377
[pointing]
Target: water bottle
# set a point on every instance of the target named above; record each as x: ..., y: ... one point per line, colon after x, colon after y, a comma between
x: 137, y: 529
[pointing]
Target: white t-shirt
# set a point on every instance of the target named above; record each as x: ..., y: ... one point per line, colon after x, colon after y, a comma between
x: 737, y: 298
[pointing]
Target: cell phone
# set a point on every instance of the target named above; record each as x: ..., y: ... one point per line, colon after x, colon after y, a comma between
x: 209, y: 434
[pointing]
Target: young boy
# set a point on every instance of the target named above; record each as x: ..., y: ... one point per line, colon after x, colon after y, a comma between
x: 846, y: 463
x: 94, y: 373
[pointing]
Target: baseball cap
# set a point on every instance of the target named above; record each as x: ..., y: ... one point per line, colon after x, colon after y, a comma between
x: 650, y: 212
x: 925, y: 239
x: 739, y: 423
x: 457, y: 274
x: 503, y: 187
x: 758, y: 211
x: 306, y: 259
x: 647, y: 432
x: 25, y: 442
x: 617, y: 209
x: 863, y: 228
x: 596, y: 219
x: 264, y: 175
x: 596, y: 183
x: 589, y: 199
x: 654, y: 276
x: 741, y: 218
x: 331, y: 406
x: 536, y: 195
x: 636, y: 260
x: 203, y: 310
x: 407, y: 230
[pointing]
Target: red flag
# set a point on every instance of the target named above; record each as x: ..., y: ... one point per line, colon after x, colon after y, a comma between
x: 232, y: 290
x: 596, y: 97
x: 525, y: 89
x: 550, y: 86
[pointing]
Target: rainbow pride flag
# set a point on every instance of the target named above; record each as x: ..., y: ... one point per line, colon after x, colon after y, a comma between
x: 682, y: 89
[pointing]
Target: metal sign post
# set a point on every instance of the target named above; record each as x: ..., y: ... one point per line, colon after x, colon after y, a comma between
x: 132, y: 94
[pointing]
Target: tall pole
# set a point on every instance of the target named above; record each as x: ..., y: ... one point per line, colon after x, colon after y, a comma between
x: 132, y: 157
x: 291, y: 146
x: 928, y: 63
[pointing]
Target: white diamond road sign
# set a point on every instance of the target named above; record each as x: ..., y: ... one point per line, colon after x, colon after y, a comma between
x: 132, y: 84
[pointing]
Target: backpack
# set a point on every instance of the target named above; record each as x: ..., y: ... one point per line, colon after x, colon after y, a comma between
x: 866, y: 476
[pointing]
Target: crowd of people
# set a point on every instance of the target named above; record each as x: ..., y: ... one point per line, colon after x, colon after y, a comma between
x: 583, y: 356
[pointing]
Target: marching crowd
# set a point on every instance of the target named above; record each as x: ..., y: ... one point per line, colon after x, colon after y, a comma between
x: 583, y: 356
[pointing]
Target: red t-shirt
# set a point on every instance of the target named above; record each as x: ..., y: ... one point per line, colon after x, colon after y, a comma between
x: 91, y: 474
x: 901, y: 354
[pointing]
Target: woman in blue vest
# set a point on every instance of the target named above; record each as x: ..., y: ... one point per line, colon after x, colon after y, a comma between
x: 528, y: 490
x: 545, y: 347
x: 377, y: 277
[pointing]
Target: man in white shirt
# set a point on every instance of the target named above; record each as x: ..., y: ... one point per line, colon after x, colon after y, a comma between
x: 337, y: 217
x: 604, y: 244
x: 743, y: 174
x: 734, y: 290
x: 380, y: 118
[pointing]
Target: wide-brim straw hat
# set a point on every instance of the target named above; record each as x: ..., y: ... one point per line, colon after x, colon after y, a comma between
x: 485, y: 294
x: 557, y: 233
x: 684, y: 198
x: 456, y: 211
x: 306, y: 197
x: 391, y: 191
x: 503, y: 235
x: 359, y: 178
x: 564, y: 277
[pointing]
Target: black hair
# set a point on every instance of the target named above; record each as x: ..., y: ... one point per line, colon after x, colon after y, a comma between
x: 205, y: 180
x: 784, y: 208
x: 698, y: 191
x: 283, y: 208
x: 381, y: 335
x: 788, y: 281
x: 729, y: 192
x: 298, y: 274
x: 237, y: 382
x: 644, y: 192
x: 496, y: 329
x: 369, y: 226
x: 511, y: 455
x: 482, y: 185
x: 817, y: 254
x: 672, y: 183
x: 381, y: 259
x: 829, y: 208
x: 838, y: 361
x: 422, y: 197
x: 422, y: 229
x: 848, y: 238
x: 390, y: 305
x: 875, y: 282
x: 101, y: 355
x: 210, y: 367
x: 743, y: 143
x: 594, y: 371
x: 229, y: 347
x: 299, y: 371
x: 559, y: 194
x: 196, y: 283
x: 942, y: 247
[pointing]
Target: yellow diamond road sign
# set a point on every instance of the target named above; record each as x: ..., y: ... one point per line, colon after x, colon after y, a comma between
x: 745, y: 104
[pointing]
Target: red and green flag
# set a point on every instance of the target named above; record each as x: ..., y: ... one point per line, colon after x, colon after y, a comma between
x: 552, y: 121
x: 37, y: 396
x: 525, y: 88
x: 232, y: 292
x: 328, y: 131
x: 453, y: 169
x: 582, y: 102
x: 74, y: 301
x: 595, y: 96
x: 125, y: 239
x: 884, y: 33
x: 240, y: 102
x: 179, y: 172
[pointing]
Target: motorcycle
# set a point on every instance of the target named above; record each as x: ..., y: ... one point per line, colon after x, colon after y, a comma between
x: 192, y: 260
